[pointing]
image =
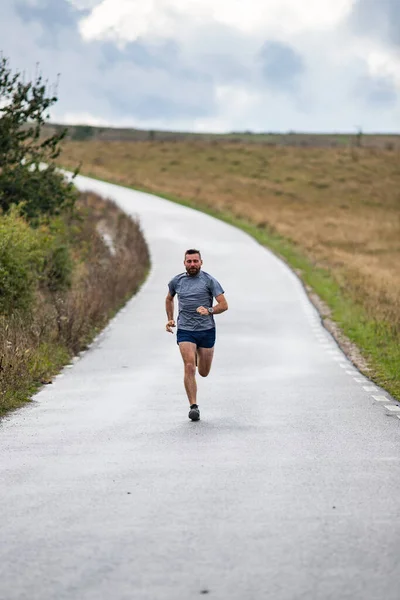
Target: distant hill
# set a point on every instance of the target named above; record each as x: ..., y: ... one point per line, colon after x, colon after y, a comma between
x: 86, y: 132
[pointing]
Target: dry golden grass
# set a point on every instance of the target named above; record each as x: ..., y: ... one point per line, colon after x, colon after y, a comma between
x: 340, y: 206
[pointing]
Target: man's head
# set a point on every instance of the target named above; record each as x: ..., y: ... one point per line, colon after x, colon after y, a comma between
x: 192, y: 262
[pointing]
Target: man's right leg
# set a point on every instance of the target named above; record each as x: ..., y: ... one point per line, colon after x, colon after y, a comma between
x: 188, y: 352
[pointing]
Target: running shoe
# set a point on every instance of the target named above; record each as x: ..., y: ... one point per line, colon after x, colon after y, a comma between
x: 194, y: 413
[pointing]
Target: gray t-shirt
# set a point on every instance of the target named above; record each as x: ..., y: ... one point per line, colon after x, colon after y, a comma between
x: 192, y: 293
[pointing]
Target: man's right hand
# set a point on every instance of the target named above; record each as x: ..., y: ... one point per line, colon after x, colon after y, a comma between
x: 169, y: 325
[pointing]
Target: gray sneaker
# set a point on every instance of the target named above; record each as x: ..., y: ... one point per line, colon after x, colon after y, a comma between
x: 194, y: 413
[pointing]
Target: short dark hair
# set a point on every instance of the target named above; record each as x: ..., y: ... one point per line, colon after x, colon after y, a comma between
x: 193, y: 251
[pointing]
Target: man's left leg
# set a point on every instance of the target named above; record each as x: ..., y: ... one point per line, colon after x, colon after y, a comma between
x: 204, y: 360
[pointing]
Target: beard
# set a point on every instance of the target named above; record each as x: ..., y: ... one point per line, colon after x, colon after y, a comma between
x: 192, y: 271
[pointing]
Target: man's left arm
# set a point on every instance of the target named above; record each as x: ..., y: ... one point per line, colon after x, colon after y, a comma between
x: 218, y: 308
x: 222, y: 305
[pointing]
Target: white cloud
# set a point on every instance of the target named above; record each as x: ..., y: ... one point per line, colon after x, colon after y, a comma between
x: 84, y: 4
x: 129, y: 20
x: 82, y: 118
x: 217, y: 65
x: 381, y: 61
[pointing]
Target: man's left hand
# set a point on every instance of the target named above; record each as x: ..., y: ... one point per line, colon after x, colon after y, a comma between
x: 202, y: 311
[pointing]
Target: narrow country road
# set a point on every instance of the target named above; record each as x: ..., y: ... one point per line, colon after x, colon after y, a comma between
x: 287, y: 489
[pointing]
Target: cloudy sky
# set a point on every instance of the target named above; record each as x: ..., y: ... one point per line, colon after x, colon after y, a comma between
x: 213, y: 65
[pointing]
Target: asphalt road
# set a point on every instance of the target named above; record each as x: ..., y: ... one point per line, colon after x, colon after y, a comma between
x: 288, y: 488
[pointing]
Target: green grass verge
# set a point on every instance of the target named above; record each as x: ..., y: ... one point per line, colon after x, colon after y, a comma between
x: 376, y: 340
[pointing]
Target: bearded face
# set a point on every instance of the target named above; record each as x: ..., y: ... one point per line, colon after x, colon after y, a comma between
x: 192, y: 264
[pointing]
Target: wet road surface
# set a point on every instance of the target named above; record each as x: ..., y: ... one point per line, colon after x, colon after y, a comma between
x: 288, y: 488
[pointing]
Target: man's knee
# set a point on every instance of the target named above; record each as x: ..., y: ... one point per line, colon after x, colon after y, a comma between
x: 190, y: 368
x: 204, y: 372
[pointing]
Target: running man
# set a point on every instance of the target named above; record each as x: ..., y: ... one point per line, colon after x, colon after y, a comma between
x: 196, y: 326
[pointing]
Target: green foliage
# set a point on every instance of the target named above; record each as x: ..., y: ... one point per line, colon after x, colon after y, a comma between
x: 40, y: 192
x: 23, y: 150
x: 29, y: 259
x: 59, y: 268
x: 21, y: 261
x: 58, y: 263
x: 81, y: 133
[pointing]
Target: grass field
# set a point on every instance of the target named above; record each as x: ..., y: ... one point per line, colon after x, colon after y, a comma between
x: 336, y: 209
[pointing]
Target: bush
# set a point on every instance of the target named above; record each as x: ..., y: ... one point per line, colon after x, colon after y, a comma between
x: 21, y: 261
x: 35, y: 344
x: 58, y: 268
x: 29, y: 259
x: 40, y: 192
x: 80, y: 133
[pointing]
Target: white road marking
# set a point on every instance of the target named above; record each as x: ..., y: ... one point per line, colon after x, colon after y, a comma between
x: 392, y: 408
x: 380, y: 398
x: 369, y: 388
x: 359, y: 380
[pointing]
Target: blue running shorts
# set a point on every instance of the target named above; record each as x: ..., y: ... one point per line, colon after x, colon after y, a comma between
x: 202, y: 339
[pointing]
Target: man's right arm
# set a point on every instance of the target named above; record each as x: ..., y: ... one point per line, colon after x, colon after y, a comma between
x: 169, y: 307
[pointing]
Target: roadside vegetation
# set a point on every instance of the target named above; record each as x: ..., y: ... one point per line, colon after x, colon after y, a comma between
x: 332, y: 213
x: 63, y: 283
x: 68, y: 261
